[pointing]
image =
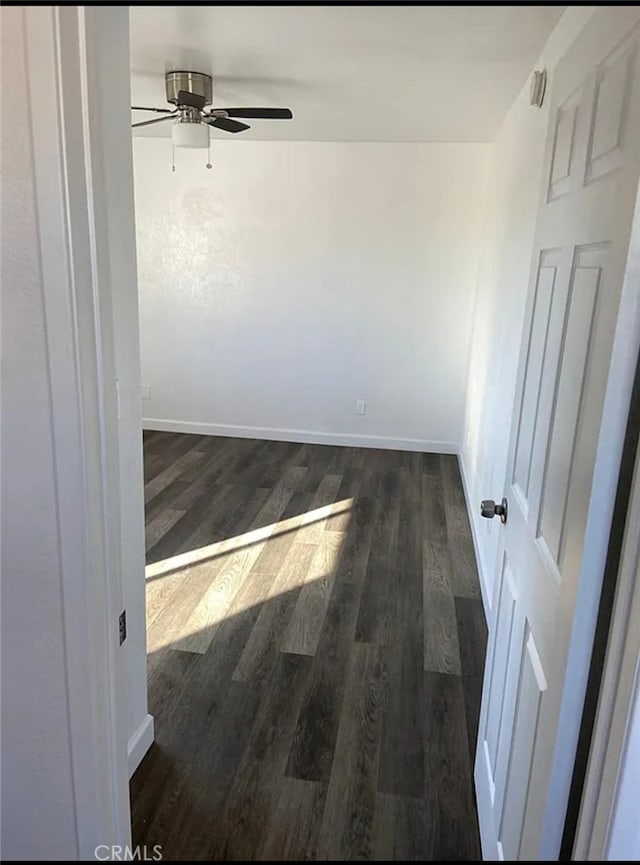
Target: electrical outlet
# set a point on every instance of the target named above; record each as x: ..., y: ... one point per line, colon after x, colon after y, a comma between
x: 361, y: 406
x: 145, y: 391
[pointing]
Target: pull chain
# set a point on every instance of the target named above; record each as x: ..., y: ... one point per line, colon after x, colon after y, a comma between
x: 173, y: 157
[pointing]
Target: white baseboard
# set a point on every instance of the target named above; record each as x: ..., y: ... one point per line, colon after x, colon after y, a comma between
x: 140, y: 743
x: 303, y: 436
x: 472, y: 508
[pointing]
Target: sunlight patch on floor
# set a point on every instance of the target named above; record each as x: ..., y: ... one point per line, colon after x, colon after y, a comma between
x: 190, y: 595
x: 229, y: 545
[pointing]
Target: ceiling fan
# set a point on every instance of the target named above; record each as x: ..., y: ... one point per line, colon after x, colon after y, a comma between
x: 190, y: 92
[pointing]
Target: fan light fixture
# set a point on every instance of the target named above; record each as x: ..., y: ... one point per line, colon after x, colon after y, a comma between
x: 189, y: 134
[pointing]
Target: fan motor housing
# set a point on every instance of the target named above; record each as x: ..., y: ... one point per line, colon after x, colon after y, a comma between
x: 193, y: 82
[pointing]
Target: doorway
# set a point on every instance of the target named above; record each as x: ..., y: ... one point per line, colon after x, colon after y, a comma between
x: 133, y: 396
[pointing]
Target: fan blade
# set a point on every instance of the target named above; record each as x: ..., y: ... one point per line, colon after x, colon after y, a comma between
x: 225, y: 123
x: 191, y: 99
x: 260, y: 113
x: 158, y: 110
x: 155, y: 120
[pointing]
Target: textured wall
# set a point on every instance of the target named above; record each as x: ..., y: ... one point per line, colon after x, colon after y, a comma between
x: 295, y: 278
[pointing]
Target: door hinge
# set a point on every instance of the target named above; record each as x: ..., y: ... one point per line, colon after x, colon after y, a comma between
x: 122, y: 626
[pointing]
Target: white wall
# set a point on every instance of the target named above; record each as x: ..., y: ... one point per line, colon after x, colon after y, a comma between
x: 36, y: 758
x: 513, y: 189
x: 297, y: 277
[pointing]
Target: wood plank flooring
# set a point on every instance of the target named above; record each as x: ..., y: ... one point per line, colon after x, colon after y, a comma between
x: 316, y: 645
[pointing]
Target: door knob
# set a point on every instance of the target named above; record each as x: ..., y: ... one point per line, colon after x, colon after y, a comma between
x: 489, y: 509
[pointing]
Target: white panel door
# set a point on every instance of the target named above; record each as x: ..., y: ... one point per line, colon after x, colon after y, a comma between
x: 582, y: 236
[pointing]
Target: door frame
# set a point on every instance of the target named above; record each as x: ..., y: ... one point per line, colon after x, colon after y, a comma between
x: 618, y: 675
x: 65, y: 73
x: 619, y: 694
x: 74, y: 248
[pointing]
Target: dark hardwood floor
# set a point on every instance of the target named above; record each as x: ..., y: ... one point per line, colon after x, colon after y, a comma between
x: 316, y: 645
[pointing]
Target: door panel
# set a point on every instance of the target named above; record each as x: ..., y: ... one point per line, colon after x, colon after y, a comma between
x: 536, y: 352
x: 532, y: 684
x: 564, y: 146
x: 613, y: 91
x: 508, y: 698
x: 504, y: 630
x: 569, y: 378
x: 584, y: 219
x: 545, y: 394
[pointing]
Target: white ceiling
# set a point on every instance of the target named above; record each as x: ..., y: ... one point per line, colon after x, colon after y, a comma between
x: 349, y: 73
